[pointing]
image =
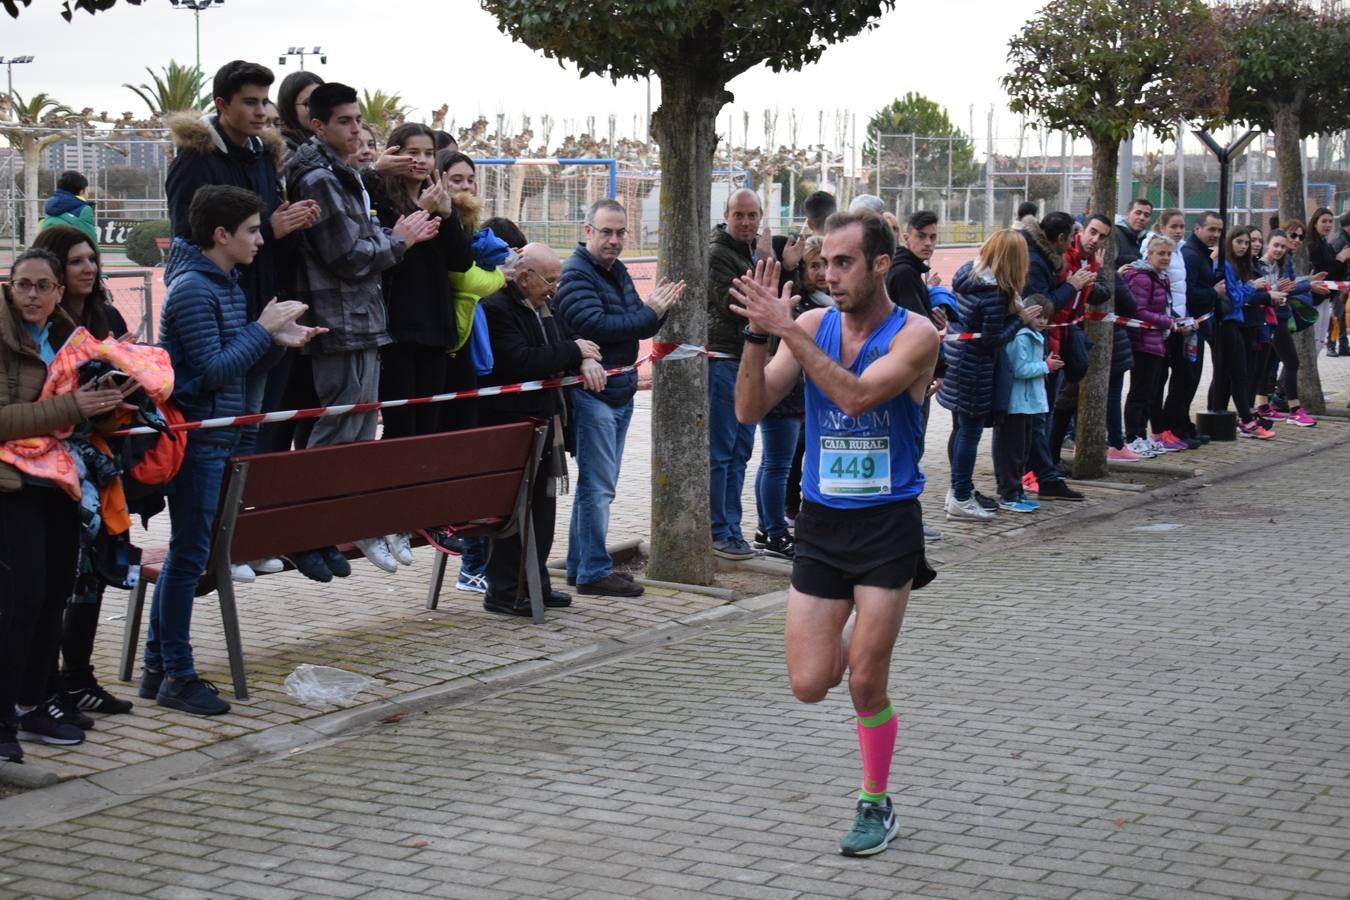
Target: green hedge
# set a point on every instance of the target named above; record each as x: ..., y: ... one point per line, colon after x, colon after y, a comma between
x: 141, y: 247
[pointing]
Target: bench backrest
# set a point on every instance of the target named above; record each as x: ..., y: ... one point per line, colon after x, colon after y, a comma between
x: 301, y: 499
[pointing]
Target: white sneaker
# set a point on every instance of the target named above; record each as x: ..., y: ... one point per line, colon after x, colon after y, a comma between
x: 242, y: 573
x: 1142, y: 447
x: 1157, y: 446
x: 377, y: 551
x: 269, y: 566
x: 966, y: 509
x: 401, y: 546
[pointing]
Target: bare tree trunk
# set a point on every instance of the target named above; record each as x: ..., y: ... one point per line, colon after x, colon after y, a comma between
x: 1089, y: 456
x: 685, y: 126
x: 1289, y: 168
x: 32, y: 160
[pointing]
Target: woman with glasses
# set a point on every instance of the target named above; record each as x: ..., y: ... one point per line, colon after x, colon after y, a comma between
x: 1237, y: 351
x: 87, y: 303
x: 39, y: 522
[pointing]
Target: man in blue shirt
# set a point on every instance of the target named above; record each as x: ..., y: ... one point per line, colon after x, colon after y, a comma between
x: 859, y: 542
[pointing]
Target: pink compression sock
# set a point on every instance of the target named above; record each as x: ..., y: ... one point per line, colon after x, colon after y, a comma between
x: 876, y: 740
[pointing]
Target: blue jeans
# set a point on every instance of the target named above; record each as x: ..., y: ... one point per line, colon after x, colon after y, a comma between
x: 473, y: 561
x: 778, y: 440
x: 965, y: 446
x: 729, y: 447
x: 192, y: 511
x: 601, y: 430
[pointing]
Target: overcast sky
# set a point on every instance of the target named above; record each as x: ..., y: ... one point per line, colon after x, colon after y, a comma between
x: 450, y: 51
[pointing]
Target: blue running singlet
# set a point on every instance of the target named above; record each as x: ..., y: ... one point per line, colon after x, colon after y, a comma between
x: 873, y: 459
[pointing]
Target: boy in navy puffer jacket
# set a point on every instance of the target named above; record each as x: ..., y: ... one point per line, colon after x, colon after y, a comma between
x: 214, y: 347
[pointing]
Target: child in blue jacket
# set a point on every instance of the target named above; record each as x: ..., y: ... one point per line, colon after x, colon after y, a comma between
x: 1027, y: 407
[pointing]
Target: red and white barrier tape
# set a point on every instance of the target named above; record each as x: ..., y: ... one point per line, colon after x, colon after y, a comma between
x: 673, y: 351
x: 319, y: 412
x: 1091, y: 316
x: 1338, y: 285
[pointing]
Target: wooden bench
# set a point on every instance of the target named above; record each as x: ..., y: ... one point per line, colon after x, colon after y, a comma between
x: 477, y: 481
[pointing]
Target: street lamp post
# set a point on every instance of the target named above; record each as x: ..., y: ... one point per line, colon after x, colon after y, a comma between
x: 197, y: 6
x: 9, y: 65
x: 302, y: 53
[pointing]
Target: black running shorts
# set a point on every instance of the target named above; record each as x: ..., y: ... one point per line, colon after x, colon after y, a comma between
x: 838, y: 549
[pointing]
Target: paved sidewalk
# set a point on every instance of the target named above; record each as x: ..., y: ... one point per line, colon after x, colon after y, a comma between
x: 1149, y: 706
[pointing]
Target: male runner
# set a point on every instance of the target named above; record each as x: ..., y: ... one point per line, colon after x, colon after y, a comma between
x: 859, y: 535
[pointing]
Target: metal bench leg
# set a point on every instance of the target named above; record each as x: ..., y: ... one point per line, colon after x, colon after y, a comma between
x: 131, y: 629
x: 230, y: 620
x: 438, y: 567
x: 532, y: 582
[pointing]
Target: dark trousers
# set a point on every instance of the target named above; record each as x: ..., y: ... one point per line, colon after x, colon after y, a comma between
x: 39, y: 549
x: 1039, y: 458
x: 1281, y: 347
x: 290, y: 385
x: 505, y: 571
x: 407, y: 371
x: 78, y: 628
x: 1182, y: 382
x: 459, y: 376
x: 1144, y: 377
x: 1013, y: 439
x: 1230, y: 376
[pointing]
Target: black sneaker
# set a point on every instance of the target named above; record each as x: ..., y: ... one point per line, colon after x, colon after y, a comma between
x: 988, y: 503
x: 310, y: 564
x: 761, y: 539
x: 191, y: 695
x: 557, y: 600
x: 151, y: 679
x: 1265, y: 423
x: 61, y: 711
x: 612, y: 585
x: 38, y: 725
x: 10, y: 750
x: 336, y: 562
x: 781, y: 546
x: 93, y: 698
x: 444, y: 540
x: 1058, y: 490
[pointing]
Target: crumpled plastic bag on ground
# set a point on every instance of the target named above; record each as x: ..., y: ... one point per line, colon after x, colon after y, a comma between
x: 324, y: 686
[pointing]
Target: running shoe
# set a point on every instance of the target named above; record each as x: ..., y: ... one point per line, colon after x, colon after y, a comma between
x: 1018, y: 506
x: 1155, y: 445
x: 733, y: 548
x: 1122, y: 454
x: 967, y: 509
x: 1253, y: 429
x: 1301, y: 418
x: 1141, y: 448
x: 781, y: 546
x: 269, y: 566
x: 1267, y: 411
x: 1029, y: 482
x: 38, y: 726
x: 1171, y: 443
x: 475, y: 584
x: 377, y: 551
x: 400, y: 545
x: 874, y: 824
x: 242, y: 573
x: 988, y: 503
x: 1265, y: 423
x: 93, y: 698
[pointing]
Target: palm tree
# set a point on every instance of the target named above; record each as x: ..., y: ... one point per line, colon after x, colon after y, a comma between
x: 39, y: 122
x: 382, y: 111
x: 180, y: 88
